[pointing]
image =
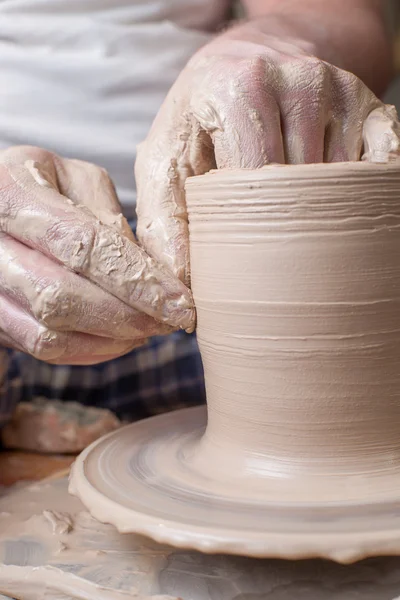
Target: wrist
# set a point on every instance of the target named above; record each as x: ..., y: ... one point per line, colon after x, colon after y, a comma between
x: 358, y: 43
x: 276, y: 30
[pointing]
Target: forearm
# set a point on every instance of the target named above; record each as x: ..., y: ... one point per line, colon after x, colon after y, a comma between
x: 349, y: 34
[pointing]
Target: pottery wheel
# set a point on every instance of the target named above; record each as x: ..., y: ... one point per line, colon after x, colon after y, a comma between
x: 123, y: 480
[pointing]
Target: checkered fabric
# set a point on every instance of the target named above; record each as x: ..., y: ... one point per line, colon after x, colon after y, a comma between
x: 163, y: 375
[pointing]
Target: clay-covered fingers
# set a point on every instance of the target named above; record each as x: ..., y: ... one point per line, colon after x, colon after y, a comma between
x: 89, y: 185
x: 369, y: 131
x: 302, y: 94
x: 85, y: 184
x: 246, y: 132
x: 42, y: 218
x: 357, y: 124
x: 271, y: 112
x: 244, y: 105
x: 197, y: 130
x: 61, y: 300
x: 211, y: 118
x: 251, y: 138
x: 21, y: 331
x: 295, y: 109
x: 52, y: 313
x: 328, y: 115
x: 175, y: 149
x: 350, y: 104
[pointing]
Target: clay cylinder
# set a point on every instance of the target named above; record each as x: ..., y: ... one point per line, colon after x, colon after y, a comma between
x: 296, y: 279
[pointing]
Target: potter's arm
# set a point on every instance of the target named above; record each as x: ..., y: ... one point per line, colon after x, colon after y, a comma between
x: 350, y: 35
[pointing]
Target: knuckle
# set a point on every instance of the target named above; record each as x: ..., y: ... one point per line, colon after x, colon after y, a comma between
x: 255, y: 65
x: 94, y: 171
x: 107, y: 253
x: 251, y: 73
x: 72, y: 242
x: 46, y: 345
x: 307, y: 93
x: 52, y: 305
x: 88, y: 173
x: 18, y: 154
x: 352, y: 86
x: 251, y: 82
x: 310, y: 75
x: 350, y: 79
x: 102, y: 176
x: 315, y: 78
x: 350, y: 95
x: 316, y: 66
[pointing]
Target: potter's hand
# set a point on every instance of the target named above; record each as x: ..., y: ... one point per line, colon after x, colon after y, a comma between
x: 242, y: 103
x: 74, y: 286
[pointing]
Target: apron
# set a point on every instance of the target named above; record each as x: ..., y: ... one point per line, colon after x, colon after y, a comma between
x: 85, y: 78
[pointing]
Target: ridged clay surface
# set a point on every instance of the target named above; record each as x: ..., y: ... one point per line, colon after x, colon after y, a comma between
x: 296, y: 280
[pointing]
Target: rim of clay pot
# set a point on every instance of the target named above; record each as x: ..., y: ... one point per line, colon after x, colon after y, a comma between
x: 299, y: 171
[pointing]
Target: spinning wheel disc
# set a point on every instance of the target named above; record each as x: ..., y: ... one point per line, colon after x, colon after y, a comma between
x: 141, y: 479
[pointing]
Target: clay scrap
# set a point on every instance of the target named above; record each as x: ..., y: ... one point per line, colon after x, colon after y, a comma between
x: 53, y: 426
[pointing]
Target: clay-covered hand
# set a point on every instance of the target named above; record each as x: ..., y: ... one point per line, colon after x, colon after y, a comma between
x: 244, y: 104
x: 75, y: 287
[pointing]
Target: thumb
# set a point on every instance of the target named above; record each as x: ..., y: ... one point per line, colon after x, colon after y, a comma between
x: 90, y: 186
x: 86, y: 185
x: 175, y: 149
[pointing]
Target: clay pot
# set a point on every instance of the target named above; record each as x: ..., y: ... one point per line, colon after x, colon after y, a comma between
x: 296, y: 280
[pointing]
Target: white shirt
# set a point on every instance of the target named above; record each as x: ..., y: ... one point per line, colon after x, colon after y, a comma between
x: 85, y: 78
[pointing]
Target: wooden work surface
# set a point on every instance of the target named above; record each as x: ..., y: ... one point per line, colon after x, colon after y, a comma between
x: 129, y: 566
x: 25, y: 466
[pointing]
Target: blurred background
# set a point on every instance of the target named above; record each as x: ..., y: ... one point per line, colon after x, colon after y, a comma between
x: 393, y: 19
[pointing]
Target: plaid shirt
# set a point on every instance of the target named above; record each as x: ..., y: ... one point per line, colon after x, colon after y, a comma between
x: 163, y: 375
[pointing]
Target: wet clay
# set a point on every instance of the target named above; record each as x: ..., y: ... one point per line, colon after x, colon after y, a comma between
x: 51, y: 548
x: 36, y: 538
x: 53, y: 426
x: 296, y: 280
x: 61, y: 213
